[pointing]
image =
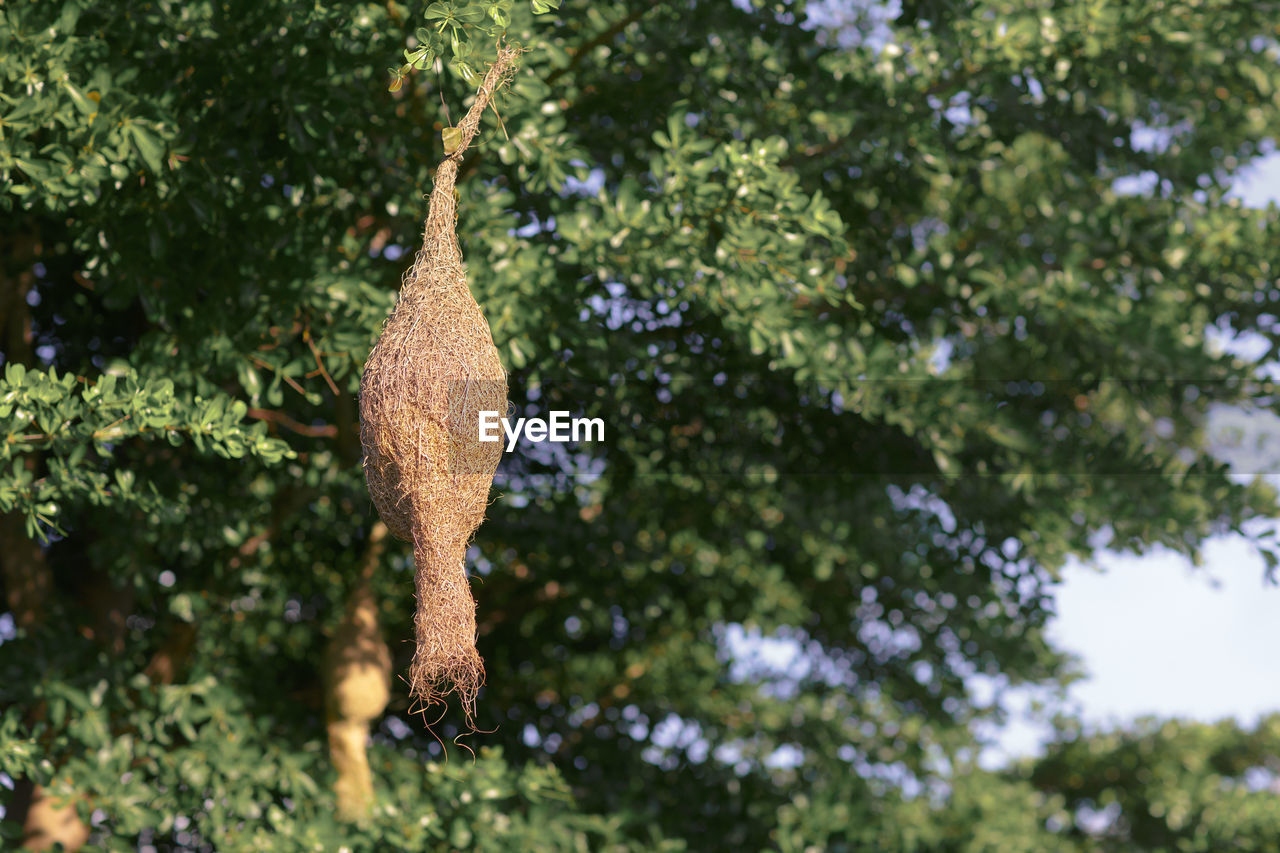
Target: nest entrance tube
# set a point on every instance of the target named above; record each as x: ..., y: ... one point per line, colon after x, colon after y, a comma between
x: 428, y: 377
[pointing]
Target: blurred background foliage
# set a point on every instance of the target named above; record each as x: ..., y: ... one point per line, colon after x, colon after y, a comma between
x: 878, y: 340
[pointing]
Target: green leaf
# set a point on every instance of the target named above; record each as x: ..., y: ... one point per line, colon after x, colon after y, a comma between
x: 149, y: 146
x: 452, y: 138
x: 86, y: 104
x: 471, y: 13
x: 465, y: 71
x: 439, y: 12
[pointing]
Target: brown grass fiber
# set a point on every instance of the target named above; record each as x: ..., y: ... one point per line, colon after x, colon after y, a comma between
x: 430, y: 374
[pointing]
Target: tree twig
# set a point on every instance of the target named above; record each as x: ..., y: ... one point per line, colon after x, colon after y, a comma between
x: 321, y: 431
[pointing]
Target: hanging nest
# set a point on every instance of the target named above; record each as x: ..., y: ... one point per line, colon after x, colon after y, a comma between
x: 430, y: 374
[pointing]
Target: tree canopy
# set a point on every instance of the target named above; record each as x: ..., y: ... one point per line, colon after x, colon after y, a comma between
x: 886, y: 317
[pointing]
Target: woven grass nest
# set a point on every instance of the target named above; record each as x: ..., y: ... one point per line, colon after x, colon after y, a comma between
x: 432, y: 371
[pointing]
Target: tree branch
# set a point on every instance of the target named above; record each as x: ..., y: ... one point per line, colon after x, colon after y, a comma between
x: 322, y: 431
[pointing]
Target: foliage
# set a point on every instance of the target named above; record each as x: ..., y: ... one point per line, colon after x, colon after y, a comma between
x: 1168, y: 785
x: 241, y: 788
x: 116, y: 408
x: 467, y: 32
x: 878, y: 339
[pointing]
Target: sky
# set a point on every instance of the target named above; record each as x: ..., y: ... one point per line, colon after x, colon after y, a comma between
x: 1159, y: 637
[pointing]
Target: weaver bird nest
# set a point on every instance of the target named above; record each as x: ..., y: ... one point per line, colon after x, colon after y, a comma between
x: 430, y: 374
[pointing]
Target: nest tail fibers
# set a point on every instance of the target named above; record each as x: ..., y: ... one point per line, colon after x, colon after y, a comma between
x: 430, y: 374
